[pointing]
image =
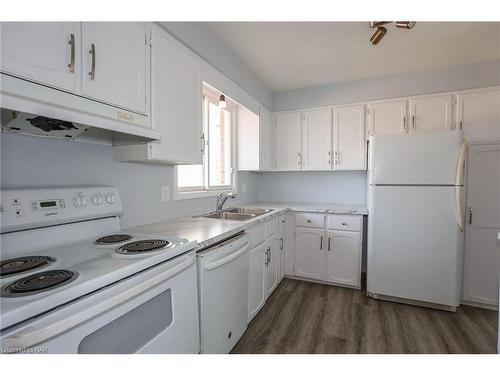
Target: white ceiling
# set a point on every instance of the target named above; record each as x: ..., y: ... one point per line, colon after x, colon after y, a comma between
x: 292, y: 55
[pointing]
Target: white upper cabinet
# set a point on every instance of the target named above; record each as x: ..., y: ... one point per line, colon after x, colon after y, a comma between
x: 388, y: 117
x: 478, y: 113
x: 288, y: 141
x: 343, y: 259
x: 349, y: 143
x: 43, y: 52
x: 266, y: 140
x: 116, y: 63
x: 430, y: 113
x: 316, y: 139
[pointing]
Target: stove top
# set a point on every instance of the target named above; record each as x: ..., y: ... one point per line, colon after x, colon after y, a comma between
x: 19, y: 265
x: 143, y: 246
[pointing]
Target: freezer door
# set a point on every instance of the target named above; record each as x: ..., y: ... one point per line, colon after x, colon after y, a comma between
x: 415, y: 159
x: 414, y: 243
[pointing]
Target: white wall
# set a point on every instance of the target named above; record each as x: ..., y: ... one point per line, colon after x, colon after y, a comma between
x: 314, y: 187
x: 197, y: 37
x: 28, y: 162
x: 453, y: 78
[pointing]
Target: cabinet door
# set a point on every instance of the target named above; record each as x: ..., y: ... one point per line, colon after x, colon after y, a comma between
x: 309, y: 246
x: 317, y: 139
x: 44, y: 52
x: 282, y: 247
x: 257, y: 280
x: 272, y: 264
x: 430, y: 114
x: 349, y: 148
x: 388, y: 117
x: 343, y: 260
x: 176, y: 101
x: 116, y: 63
x: 288, y: 142
x: 266, y: 140
x: 478, y: 113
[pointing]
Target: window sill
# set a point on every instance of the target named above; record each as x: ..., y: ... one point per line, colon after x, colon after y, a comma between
x: 180, y: 195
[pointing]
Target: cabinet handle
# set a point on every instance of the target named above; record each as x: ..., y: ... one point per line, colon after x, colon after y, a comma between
x: 71, y: 42
x: 336, y: 160
x: 329, y: 243
x: 329, y: 157
x: 308, y: 220
x: 270, y: 255
x: 460, y: 125
x: 298, y: 158
x: 404, y: 123
x: 470, y: 215
x: 92, y: 69
x: 321, y: 243
x: 414, y: 122
x: 202, y: 143
x: 281, y: 243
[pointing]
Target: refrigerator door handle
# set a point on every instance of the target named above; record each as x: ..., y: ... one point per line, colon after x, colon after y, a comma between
x: 460, y: 207
x: 461, y: 164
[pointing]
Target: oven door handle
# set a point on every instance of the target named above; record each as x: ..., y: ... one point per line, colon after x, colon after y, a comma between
x: 229, y: 258
x: 31, y: 336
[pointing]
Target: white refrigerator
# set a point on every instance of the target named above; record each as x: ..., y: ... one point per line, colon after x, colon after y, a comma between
x: 416, y: 218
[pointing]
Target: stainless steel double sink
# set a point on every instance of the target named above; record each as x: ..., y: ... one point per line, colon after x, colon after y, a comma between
x: 236, y: 213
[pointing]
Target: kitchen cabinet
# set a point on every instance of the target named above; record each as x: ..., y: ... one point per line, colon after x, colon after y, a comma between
x: 176, y: 110
x: 266, y: 140
x: 388, y: 117
x: 282, y: 238
x: 116, y: 63
x: 288, y: 141
x: 478, y: 114
x: 309, y: 252
x: 349, y: 142
x: 257, y: 286
x: 272, y: 264
x: 343, y: 258
x: 43, y: 52
x: 430, y: 113
x: 316, y: 139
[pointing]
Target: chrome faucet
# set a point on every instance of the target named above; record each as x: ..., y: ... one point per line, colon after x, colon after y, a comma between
x: 222, y: 198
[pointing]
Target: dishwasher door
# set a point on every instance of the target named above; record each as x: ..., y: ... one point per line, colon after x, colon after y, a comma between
x: 223, y: 294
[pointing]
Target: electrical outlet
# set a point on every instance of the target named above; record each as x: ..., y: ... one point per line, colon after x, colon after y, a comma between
x: 165, y: 193
x: 244, y: 188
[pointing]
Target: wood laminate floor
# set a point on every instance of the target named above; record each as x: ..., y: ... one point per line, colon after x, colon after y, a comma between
x: 304, y: 317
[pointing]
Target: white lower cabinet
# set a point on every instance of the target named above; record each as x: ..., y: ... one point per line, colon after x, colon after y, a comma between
x: 309, y: 252
x: 272, y: 264
x: 265, y: 264
x: 282, y: 247
x: 329, y: 255
x: 257, y: 280
x: 343, y: 258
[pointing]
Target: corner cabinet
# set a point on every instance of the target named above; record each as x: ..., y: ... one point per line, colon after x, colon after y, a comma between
x: 288, y: 141
x: 349, y: 141
x: 176, y: 110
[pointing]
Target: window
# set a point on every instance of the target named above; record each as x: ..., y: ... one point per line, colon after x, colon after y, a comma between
x: 216, y: 172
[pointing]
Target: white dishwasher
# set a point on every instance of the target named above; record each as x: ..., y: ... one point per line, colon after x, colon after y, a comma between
x: 223, y: 294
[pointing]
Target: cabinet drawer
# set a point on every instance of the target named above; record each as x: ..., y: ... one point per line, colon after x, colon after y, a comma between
x: 256, y: 235
x: 271, y: 226
x: 310, y: 220
x: 345, y: 222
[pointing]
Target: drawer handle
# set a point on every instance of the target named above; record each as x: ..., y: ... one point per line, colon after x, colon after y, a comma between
x: 71, y: 42
x: 308, y: 221
x: 92, y: 68
x: 344, y: 224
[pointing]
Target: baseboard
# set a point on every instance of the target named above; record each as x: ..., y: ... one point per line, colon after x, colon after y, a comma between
x: 486, y: 306
x: 321, y: 282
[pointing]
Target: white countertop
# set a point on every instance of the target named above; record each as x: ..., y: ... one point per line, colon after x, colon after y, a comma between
x: 208, y: 231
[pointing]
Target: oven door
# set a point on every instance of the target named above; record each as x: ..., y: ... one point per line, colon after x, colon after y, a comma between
x: 155, y: 311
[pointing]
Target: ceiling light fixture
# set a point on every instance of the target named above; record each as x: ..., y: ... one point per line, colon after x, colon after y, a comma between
x: 378, y: 35
x: 222, y: 101
x: 381, y: 30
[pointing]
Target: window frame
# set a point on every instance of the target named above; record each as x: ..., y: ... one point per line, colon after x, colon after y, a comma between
x: 190, y: 192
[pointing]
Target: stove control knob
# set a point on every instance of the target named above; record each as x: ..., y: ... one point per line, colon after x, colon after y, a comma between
x: 97, y: 199
x: 79, y: 200
x: 110, y: 198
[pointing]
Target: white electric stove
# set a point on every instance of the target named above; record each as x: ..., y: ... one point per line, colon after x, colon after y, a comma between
x: 71, y: 281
